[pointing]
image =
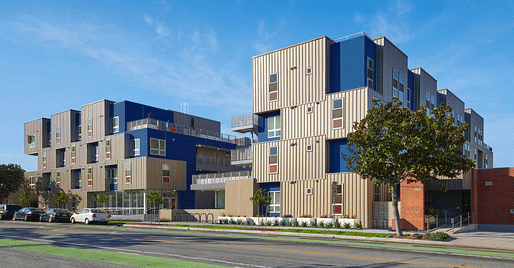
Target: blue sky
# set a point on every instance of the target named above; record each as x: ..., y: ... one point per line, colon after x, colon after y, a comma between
x: 56, y: 55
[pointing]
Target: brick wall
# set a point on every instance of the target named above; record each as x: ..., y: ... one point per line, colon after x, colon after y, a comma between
x: 492, y: 196
x: 412, y: 211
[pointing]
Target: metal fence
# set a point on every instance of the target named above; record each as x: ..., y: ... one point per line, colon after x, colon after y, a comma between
x: 248, y: 119
x: 195, y: 217
x: 215, y: 178
x: 212, y: 161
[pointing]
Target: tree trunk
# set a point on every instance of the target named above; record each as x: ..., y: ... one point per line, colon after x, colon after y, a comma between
x: 396, y: 212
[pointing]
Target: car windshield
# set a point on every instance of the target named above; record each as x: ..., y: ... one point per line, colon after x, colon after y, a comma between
x: 12, y: 207
x: 98, y: 211
x: 62, y: 210
x: 2, y: 206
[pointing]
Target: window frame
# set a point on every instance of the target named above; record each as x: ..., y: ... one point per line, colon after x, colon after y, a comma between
x: 73, y: 154
x: 340, y: 192
x: 108, y: 149
x: 31, y: 140
x: 90, y: 176
x: 90, y: 127
x: 274, y: 132
x: 115, y: 124
x: 58, y: 135
x: 128, y: 173
x: 58, y: 178
x: 44, y: 159
x: 273, y: 165
x: 135, y: 143
x: 336, y: 119
x: 272, y: 208
x: 273, y: 94
x: 32, y: 182
x: 372, y: 69
x: 166, y: 177
x: 158, y: 151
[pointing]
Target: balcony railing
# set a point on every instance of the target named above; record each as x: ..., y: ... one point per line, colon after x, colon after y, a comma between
x: 243, y: 154
x: 212, y: 161
x: 249, y: 119
x: 344, y: 38
x: 167, y: 126
x: 217, y: 178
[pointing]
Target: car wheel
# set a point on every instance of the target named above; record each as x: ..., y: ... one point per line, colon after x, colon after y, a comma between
x: 86, y: 221
x: 72, y: 220
x: 26, y: 218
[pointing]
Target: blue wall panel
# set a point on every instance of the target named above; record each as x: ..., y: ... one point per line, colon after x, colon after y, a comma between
x: 337, y: 163
x: 410, y: 85
x: 269, y: 187
x: 130, y: 111
x: 263, y: 131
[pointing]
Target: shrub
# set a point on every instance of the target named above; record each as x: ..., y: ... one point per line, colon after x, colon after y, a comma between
x: 304, y: 224
x: 248, y: 222
x: 337, y: 224
x: 239, y: 221
x: 417, y: 236
x: 306, y: 216
x: 223, y: 214
x: 346, y: 226
x: 268, y: 223
x: 263, y: 223
x: 313, y: 223
x: 225, y: 221
x: 282, y: 223
x: 275, y: 222
x: 287, y: 216
x: 329, y: 225
x: 321, y: 224
x: 232, y: 221
x: 439, y: 236
x: 230, y: 215
x: 357, y: 225
x: 294, y: 222
x: 164, y: 220
x: 324, y: 216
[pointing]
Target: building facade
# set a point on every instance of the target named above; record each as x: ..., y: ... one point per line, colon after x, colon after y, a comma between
x: 125, y: 149
x: 306, y: 98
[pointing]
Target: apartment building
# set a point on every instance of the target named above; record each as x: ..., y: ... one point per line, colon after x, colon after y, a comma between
x: 305, y: 100
x: 125, y: 149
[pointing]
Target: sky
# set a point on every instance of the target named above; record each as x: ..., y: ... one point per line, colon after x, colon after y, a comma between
x: 59, y: 55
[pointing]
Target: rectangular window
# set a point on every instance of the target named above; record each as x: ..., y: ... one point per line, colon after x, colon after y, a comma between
x: 135, y: 147
x: 78, y: 180
x: 400, y: 96
x: 58, y: 179
x: 338, y: 200
x: 274, y: 127
x: 94, y: 152
x: 309, y: 70
x: 115, y: 124
x: 44, y: 159
x: 274, y: 206
x: 158, y: 147
x: 58, y: 135
x: 73, y: 154
x: 165, y: 173
x: 32, y: 182
x: 78, y: 134
x: 273, y: 160
x: 395, y: 83
x: 89, y: 176
x: 309, y: 148
x: 31, y: 140
x: 108, y: 149
x: 400, y: 82
x: 128, y: 173
x: 308, y: 191
x: 273, y: 87
x: 337, y: 114
x: 407, y: 97
x: 370, y: 73
x: 90, y: 127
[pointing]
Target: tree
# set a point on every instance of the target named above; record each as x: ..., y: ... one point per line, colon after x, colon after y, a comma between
x: 11, y: 178
x: 393, y: 144
x: 61, y: 198
x: 154, y: 198
x: 23, y: 198
x: 100, y: 198
x: 260, y: 197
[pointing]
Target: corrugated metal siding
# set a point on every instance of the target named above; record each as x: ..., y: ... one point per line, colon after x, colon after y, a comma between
x: 178, y: 174
x: 139, y: 175
x: 33, y: 128
x: 99, y: 113
x: 355, y: 105
x: 63, y: 121
x: 295, y: 86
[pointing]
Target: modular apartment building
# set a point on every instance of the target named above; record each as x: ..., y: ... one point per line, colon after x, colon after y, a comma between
x: 306, y: 98
x: 125, y: 149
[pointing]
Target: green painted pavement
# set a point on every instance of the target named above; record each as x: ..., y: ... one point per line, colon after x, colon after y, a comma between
x: 99, y: 255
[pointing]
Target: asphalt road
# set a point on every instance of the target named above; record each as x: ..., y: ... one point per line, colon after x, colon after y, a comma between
x: 65, y: 245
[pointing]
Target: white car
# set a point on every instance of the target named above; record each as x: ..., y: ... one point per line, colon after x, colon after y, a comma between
x: 89, y: 215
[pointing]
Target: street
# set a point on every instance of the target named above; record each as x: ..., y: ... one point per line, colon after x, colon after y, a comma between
x: 34, y: 244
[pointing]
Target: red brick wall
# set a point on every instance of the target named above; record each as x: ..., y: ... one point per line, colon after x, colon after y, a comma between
x: 412, y: 211
x: 492, y: 204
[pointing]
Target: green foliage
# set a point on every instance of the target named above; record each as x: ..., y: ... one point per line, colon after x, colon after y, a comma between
x: 24, y: 198
x: 239, y: 222
x: 346, y: 226
x: 11, y: 179
x: 232, y: 221
x: 282, y: 223
x: 439, y: 236
x: 432, y: 212
x: 102, y: 198
x: 260, y: 197
x: 294, y: 222
x: 321, y: 224
x: 154, y: 198
x: 393, y: 144
x: 62, y: 198
x: 268, y: 223
x: 357, y: 225
x: 304, y: 224
x: 314, y: 223
x: 248, y: 222
x: 329, y: 225
x: 418, y: 236
x: 317, y: 231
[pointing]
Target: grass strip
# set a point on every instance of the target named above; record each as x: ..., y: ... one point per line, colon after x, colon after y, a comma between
x: 99, y: 255
x: 330, y: 232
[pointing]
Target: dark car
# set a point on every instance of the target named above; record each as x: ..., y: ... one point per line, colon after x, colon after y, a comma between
x: 56, y: 214
x: 7, y: 211
x: 28, y: 214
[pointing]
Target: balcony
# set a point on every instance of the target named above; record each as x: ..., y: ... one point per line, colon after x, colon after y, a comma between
x: 167, y: 126
x: 216, y: 181
x: 242, y: 156
x: 212, y: 163
x: 246, y: 123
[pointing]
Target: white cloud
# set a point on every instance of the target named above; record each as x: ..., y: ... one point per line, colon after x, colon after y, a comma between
x: 161, y: 30
x: 265, y: 37
x: 396, y: 31
x: 148, y: 19
x: 358, y: 19
x: 400, y: 8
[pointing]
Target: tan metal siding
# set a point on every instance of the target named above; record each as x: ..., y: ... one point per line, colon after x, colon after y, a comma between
x: 178, y: 174
x: 139, y: 175
x: 119, y: 148
x: 99, y: 113
x: 295, y: 86
x: 355, y: 105
x: 33, y: 128
x: 63, y: 121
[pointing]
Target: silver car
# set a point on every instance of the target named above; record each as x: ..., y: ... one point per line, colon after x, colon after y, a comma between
x: 90, y: 215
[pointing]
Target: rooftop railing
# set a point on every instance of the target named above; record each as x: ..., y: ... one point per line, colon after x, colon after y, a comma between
x: 344, y: 38
x: 167, y: 126
x: 248, y: 119
x: 216, y: 178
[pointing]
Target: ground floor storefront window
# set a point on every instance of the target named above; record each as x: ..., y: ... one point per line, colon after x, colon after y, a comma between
x: 133, y: 202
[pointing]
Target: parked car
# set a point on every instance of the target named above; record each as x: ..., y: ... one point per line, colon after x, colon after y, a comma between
x: 56, y: 214
x: 28, y: 214
x: 90, y: 215
x: 7, y: 211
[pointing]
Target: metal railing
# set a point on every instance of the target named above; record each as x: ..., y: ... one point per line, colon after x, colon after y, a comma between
x: 459, y: 220
x: 242, y: 154
x: 167, y: 126
x: 216, y: 178
x: 248, y: 119
x: 212, y: 161
x: 344, y: 38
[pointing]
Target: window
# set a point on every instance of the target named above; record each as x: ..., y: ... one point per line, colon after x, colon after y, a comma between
x: 395, y: 83
x: 273, y: 160
x: 31, y: 140
x: 274, y: 127
x: 73, y: 154
x: 309, y: 191
x: 89, y: 176
x: 274, y: 206
x: 58, y: 135
x: 309, y: 148
x: 58, y: 179
x: 337, y: 114
x: 78, y: 134
x: 400, y: 82
x: 78, y: 180
x: 94, y: 152
x: 408, y: 97
x: 61, y: 157
x: 158, y: 147
x: 370, y: 73
x: 309, y: 109
x: 44, y: 159
x: 90, y: 127
x: 32, y: 182
x: 309, y: 70
x: 273, y: 87
x: 338, y: 200
x: 400, y: 96
x: 108, y: 149
x: 135, y: 147
x: 128, y: 173
x: 165, y: 173
x: 115, y: 124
